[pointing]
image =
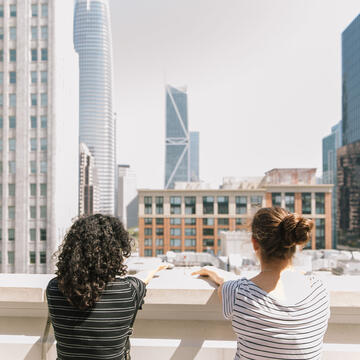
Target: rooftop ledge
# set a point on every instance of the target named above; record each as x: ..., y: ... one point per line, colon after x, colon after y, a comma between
x: 181, y: 318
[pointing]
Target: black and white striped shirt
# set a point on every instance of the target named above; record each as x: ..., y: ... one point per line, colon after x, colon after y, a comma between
x: 267, y: 329
x: 98, y: 333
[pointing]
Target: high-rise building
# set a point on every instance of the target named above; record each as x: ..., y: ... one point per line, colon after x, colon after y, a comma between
x: 38, y: 132
x: 177, y: 142
x: 348, y: 156
x: 88, y: 189
x: 330, y: 144
x: 194, y: 156
x: 127, y: 198
x: 93, y: 43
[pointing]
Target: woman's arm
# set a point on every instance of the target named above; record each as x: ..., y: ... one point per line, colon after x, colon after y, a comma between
x: 151, y: 273
x: 214, y: 274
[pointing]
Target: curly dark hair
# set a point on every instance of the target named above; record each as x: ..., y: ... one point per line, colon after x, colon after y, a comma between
x: 91, y: 255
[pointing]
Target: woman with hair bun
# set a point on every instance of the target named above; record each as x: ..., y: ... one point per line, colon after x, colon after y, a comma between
x: 92, y: 304
x: 280, y: 313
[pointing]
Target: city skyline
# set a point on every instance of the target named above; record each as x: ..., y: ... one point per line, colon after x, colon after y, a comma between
x: 244, y: 83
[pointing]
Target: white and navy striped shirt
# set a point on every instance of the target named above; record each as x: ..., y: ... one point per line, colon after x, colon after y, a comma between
x: 97, y: 333
x: 267, y: 329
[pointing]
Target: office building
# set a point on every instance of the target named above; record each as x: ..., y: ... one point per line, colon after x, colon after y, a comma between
x: 38, y: 132
x: 88, y: 189
x: 127, y: 198
x: 192, y: 218
x: 93, y: 43
x: 330, y: 144
x: 194, y: 156
x: 177, y: 141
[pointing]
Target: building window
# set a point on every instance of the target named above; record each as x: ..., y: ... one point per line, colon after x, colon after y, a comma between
x: 160, y: 231
x: 175, y: 221
x: 42, y: 257
x: 190, y: 205
x: 148, y: 204
x: 12, y: 55
x: 43, y: 212
x: 208, y: 232
x: 32, y: 257
x: 44, y: 10
x: 223, y: 204
x: 12, y: 77
x: 148, y: 242
x: 147, y: 221
x: 33, y: 124
x: 159, y: 251
x: 42, y: 234
x: 1, y: 144
x: 33, y: 144
x: 1, y: 167
x: 256, y: 200
x: 32, y: 212
x: 208, y: 221
x: 1, y: 77
x: 175, y: 231
x: 219, y: 230
x: 44, y: 32
x: 13, y: 10
x: 290, y: 202
x: 32, y: 234
x: 208, y: 242
x: 11, y: 257
x: 11, y: 234
x: 320, y: 203
x: 159, y: 221
x: 320, y: 233
x: 11, y: 212
x: 12, y: 33
x: 2, y: 11
x: 32, y: 189
x: 1, y: 55
x: 43, y: 167
x: 175, y: 205
x: 241, y: 204
x: 1, y: 33
x: 276, y: 199
x: 12, y: 100
x: 33, y: 98
x: 159, y: 242
x: 240, y: 221
x: 11, y: 188
x: 190, y: 232
x: 33, y: 167
x: 175, y: 242
x: 43, y: 190
x: 34, y: 10
x: 148, y: 231
x: 34, y: 55
x: 12, y: 167
x: 44, y: 99
x: 208, y: 204
x: 1, y: 100
x: 223, y: 221
x: 33, y: 76
x: 190, y: 221
x: 12, y: 144
x: 43, y: 120
x: 159, y: 202
x: 190, y: 242
x: 44, y: 77
x: 44, y: 54
x: 43, y: 144
x: 34, y: 33
x: 147, y: 252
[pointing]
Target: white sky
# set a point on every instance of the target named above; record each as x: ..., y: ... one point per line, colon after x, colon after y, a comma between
x: 263, y: 78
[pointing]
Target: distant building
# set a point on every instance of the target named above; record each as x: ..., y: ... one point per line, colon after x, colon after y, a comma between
x: 330, y: 144
x: 348, y: 156
x: 88, y: 189
x: 127, y: 196
x: 177, y: 142
x: 39, y: 164
x: 93, y: 43
x: 192, y: 218
x: 194, y: 156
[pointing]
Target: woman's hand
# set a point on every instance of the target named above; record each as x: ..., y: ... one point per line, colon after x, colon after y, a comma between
x: 212, y: 272
x: 153, y: 272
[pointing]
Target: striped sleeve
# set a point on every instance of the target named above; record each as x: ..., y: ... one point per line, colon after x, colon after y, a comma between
x: 228, y: 297
x: 141, y: 289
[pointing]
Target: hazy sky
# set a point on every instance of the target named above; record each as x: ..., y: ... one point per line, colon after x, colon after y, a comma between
x: 263, y: 79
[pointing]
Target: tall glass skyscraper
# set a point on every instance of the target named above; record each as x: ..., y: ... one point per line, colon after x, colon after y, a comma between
x: 177, y: 142
x: 93, y: 43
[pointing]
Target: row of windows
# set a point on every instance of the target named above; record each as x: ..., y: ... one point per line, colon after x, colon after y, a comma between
x: 32, y: 234
x: 33, y: 100
x: 33, y: 55
x: 44, y: 32
x: 187, y: 231
x: 33, y: 167
x: 34, y: 10
x: 289, y: 200
x: 33, y: 122
x: 33, y: 189
x: 33, y: 144
x: 33, y: 77
x: 177, y: 242
x: 32, y: 257
x: 32, y: 212
x: 192, y: 221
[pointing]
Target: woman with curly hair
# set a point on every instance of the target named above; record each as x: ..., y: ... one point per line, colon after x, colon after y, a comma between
x: 92, y: 304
